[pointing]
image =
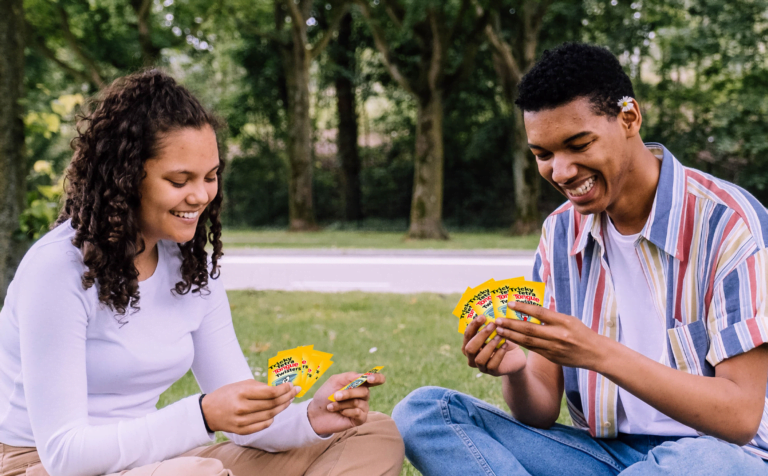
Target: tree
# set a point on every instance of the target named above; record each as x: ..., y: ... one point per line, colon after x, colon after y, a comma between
x: 12, y: 162
x: 434, y: 54
x: 93, y: 42
x: 512, y: 59
x: 342, y: 53
x: 294, y: 21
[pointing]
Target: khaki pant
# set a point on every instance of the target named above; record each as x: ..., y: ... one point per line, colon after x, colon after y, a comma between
x: 372, y: 449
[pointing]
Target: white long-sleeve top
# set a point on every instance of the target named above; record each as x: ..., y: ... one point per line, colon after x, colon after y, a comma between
x: 81, y: 383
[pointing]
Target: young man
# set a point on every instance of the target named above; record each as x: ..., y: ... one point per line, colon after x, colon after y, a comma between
x: 655, y: 308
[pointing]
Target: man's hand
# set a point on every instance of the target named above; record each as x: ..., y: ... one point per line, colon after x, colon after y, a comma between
x: 246, y: 407
x: 506, y: 360
x: 350, y: 408
x: 562, y: 339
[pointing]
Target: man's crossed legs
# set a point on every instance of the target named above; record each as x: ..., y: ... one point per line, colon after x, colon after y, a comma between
x: 447, y: 432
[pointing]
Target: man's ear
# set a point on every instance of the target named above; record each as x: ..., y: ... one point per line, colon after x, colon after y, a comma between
x: 631, y: 120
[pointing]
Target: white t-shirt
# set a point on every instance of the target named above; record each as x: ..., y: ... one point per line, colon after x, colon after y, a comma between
x: 642, y: 329
x: 85, y: 395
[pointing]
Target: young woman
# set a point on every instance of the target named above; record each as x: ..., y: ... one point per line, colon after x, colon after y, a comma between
x: 115, y: 304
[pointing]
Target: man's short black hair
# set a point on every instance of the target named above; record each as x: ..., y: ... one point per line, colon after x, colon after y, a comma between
x: 571, y: 71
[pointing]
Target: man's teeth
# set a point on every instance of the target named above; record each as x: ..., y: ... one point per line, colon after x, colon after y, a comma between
x: 586, y: 187
x: 186, y: 214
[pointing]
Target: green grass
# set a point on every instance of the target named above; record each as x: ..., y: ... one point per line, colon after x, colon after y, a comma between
x: 415, y: 337
x: 373, y: 239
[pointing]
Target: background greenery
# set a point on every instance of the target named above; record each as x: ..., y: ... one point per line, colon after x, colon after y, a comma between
x: 413, y: 336
x: 344, y: 238
x: 699, y: 68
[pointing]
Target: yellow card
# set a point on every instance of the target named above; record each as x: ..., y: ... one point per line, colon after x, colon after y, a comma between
x: 500, y: 295
x: 463, y: 308
x: 357, y: 382
x: 529, y: 292
x: 317, y: 363
x: 284, y: 367
x: 301, y: 366
x: 304, y: 352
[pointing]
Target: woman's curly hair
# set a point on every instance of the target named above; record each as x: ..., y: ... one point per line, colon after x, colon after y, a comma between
x: 116, y: 135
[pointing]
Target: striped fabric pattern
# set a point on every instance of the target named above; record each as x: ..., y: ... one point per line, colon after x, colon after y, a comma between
x: 705, y: 259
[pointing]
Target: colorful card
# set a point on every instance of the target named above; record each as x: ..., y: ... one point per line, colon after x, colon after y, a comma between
x: 316, y: 364
x: 357, y: 382
x: 528, y: 292
x: 491, y: 298
x: 284, y: 367
x: 302, y: 366
x: 464, y: 308
x: 477, y: 301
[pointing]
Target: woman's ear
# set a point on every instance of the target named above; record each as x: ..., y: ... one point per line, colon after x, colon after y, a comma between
x: 631, y: 119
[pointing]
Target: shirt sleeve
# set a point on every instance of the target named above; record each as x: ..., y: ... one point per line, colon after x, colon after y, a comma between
x: 737, y: 319
x: 53, y: 314
x: 219, y: 361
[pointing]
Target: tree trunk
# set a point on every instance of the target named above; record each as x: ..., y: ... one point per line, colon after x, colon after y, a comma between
x: 12, y: 167
x: 427, y: 204
x: 343, y: 55
x: 150, y: 53
x: 300, y: 208
x: 527, y: 182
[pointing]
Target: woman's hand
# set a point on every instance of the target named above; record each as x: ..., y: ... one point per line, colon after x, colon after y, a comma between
x: 506, y: 360
x: 562, y: 339
x: 350, y: 408
x: 246, y: 407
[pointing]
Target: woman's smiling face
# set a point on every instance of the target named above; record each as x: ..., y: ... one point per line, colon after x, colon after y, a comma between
x: 179, y: 183
x: 582, y: 154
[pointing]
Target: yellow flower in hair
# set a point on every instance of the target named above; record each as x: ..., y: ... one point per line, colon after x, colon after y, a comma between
x: 625, y: 103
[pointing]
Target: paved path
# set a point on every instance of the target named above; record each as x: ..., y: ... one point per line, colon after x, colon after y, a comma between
x: 386, y: 271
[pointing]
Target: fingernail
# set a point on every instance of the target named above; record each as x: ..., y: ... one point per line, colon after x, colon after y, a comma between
x: 491, y: 326
x: 338, y: 396
x: 330, y: 407
x: 298, y: 389
x: 370, y: 379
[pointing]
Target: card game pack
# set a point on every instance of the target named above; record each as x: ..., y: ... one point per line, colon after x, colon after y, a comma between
x: 490, y: 300
x: 302, y: 366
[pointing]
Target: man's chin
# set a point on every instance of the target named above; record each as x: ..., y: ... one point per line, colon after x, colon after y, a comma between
x: 589, y: 208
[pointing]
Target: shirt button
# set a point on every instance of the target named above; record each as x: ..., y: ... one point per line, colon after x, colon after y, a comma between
x: 607, y: 424
x: 610, y: 323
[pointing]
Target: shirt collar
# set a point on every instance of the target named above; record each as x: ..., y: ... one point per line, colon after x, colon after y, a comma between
x: 664, y: 223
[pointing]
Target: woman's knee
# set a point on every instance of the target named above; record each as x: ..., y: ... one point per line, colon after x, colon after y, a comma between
x: 191, y: 466
x: 386, y: 434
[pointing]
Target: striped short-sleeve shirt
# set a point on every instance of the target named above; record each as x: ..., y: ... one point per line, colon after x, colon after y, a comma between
x: 703, y: 253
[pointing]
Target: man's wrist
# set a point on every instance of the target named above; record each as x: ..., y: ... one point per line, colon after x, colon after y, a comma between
x: 606, y: 352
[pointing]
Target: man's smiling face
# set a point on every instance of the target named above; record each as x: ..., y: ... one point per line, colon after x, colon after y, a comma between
x: 582, y: 154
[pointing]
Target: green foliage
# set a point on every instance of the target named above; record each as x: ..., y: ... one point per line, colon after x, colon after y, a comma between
x: 699, y: 70
x: 45, y: 129
x: 706, y: 99
x: 256, y: 188
x: 43, y: 201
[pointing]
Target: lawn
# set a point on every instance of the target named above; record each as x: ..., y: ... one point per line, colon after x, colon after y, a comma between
x: 374, y: 239
x: 414, y: 336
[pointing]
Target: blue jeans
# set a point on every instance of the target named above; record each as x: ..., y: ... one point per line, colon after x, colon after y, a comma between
x: 449, y: 433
